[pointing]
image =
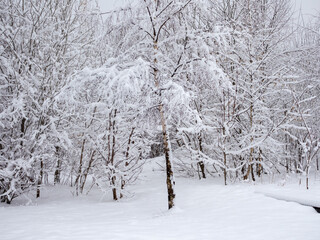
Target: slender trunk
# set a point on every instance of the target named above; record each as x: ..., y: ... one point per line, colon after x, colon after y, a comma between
x: 224, y: 159
x: 113, y: 178
x: 166, y: 146
x: 84, y: 177
x: 40, y: 178
x: 202, y: 169
x: 307, y: 176
x: 201, y: 163
x: 252, y: 173
x: 309, y: 158
x: 58, y: 168
x: 250, y: 167
x: 57, y: 173
x: 259, y: 166
x: 76, y: 183
x: 287, y: 158
x: 123, y: 182
x: 235, y: 165
x: 298, y: 164
x: 23, y: 122
x: 114, y: 190
x: 225, y: 168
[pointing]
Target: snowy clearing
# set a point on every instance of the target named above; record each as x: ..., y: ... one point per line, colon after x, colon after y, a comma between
x: 126, y: 100
x: 205, y: 210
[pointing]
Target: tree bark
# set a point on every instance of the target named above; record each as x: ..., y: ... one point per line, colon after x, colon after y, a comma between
x: 166, y: 145
x: 201, y: 163
x: 76, y: 183
x: 83, y: 178
x: 225, y: 168
x: 58, y: 168
x: 40, y: 179
x: 57, y: 172
x: 123, y: 182
x: 224, y: 158
x: 112, y: 156
x: 250, y: 166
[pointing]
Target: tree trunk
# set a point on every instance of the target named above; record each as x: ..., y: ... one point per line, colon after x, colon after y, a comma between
x: 307, y: 176
x: 57, y: 172
x: 287, y: 157
x: 83, y: 178
x: 58, y: 168
x: 23, y: 122
x: 40, y: 179
x: 225, y: 168
x: 166, y: 145
x: 76, y: 182
x: 200, y: 163
x: 123, y: 182
x: 166, y: 148
x: 112, y: 156
x: 114, y: 190
x: 250, y: 167
x: 224, y: 158
x: 259, y: 168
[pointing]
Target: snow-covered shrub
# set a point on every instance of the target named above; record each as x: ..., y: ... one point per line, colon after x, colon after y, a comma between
x: 16, y: 177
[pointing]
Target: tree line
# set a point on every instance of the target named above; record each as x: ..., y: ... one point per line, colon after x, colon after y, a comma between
x: 226, y: 88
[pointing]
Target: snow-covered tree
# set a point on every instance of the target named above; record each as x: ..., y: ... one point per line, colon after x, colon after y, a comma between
x: 43, y: 43
x: 109, y: 126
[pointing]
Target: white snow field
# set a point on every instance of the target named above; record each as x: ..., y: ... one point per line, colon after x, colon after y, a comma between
x: 204, y: 210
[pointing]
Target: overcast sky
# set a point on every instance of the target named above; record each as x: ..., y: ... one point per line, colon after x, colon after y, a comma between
x: 307, y: 6
x: 107, y: 5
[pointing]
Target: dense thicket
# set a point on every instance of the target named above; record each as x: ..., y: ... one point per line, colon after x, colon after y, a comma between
x: 221, y: 88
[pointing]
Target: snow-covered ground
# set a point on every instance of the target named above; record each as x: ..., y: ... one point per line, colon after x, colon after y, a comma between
x: 205, y: 210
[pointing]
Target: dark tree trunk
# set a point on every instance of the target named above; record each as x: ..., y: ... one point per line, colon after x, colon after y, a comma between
x: 114, y: 190
x: 58, y: 168
x: 259, y: 168
x: 77, y: 181
x: 201, y: 163
x: 85, y: 175
x: 225, y: 168
x: 57, y: 173
x: 23, y: 122
x: 40, y: 179
x: 112, y: 130
x: 123, y: 182
x: 250, y: 171
x: 170, y: 181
